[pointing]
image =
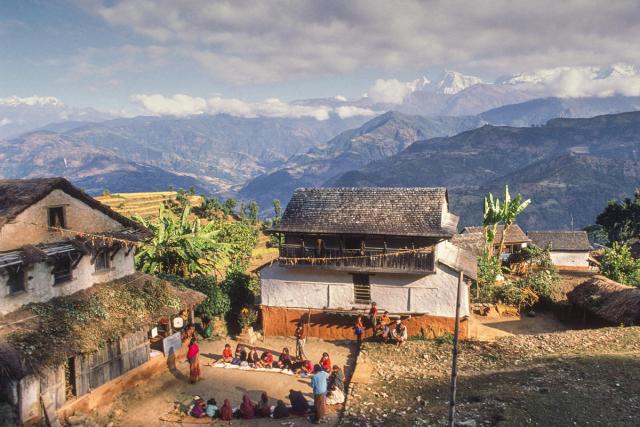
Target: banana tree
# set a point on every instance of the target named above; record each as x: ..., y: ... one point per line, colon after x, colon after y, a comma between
x: 508, y: 213
x: 181, y: 246
x: 491, y: 218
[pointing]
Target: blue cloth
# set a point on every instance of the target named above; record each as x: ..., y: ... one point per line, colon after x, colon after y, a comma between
x: 212, y: 410
x: 319, y: 382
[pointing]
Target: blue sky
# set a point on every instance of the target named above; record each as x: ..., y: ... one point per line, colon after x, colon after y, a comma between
x: 101, y: 53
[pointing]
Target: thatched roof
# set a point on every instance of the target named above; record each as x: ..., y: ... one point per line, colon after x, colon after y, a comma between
x: 372, y: 211
x: 609, y: 300
x: 561, y: 240
x: 42, y: 334
x: 514, y: 234
x: 472, y: 242
x: 16, y: 195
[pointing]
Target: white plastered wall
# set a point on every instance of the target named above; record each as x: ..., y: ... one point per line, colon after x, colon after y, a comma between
x: 40, y: 285
x: 78, y: 216
x: 570, y: 259
x: 297, y: 287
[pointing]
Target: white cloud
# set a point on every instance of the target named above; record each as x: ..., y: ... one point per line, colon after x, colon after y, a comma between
x: 340, y: 98
x: 31, y: 101
x: 390, y: 91
x: 185, y: 105
x: 177, y: 105
x: 573, y: 82
x: 5, y: 121
x: 277, y: 40
x: 347, y: 111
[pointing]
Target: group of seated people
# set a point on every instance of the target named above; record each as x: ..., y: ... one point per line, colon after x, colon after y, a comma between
x: 299, y: 405
x: 243, y: 357
x: 386, y: 329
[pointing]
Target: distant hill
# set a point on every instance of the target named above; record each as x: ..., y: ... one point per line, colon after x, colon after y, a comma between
x: 212, y: 153
x: 377, y: 139
x: 569, y: 167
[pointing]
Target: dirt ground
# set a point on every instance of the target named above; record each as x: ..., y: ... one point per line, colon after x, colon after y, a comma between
x: 144, y: 405
x: 489, y: 328
x: 585, y: 377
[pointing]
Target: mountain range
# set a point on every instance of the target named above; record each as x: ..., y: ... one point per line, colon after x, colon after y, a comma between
x: 570, y: 168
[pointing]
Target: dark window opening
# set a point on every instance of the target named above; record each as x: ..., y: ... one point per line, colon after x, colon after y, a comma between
x: 62, y: 270
x: 102, y: 261
x: 361, y: 289
x: 56, y: 217
x: 353, y: 243
x: 70, y: 379
x: 17, y: 280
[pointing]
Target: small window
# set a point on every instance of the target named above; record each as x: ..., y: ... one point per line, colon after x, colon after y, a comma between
x: 102, y: 261
x: 17, y: 280
x: 62, y: 270
x: 56, y: 217
x: 361, y: 289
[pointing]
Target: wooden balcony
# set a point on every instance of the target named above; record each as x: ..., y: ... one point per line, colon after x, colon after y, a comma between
x: 368, y: 259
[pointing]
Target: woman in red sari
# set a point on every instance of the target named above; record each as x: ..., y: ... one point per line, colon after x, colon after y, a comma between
x: 194, y: 364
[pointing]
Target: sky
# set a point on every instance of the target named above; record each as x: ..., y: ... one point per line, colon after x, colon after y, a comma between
x: 117, y: 55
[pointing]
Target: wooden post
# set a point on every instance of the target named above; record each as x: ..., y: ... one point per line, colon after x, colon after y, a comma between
x: 454, y: 361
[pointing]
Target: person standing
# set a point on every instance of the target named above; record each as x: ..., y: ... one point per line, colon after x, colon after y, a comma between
x: 319, y: 386
x: 359, y: 329
x: 373, y: 316
x: 194, y: 364
x: 301, y: 338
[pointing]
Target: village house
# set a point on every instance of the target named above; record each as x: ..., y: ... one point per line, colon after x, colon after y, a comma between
x: 58, y: 244
x: 569, y: 250
x: 515, y: 239
x: 343, y: 248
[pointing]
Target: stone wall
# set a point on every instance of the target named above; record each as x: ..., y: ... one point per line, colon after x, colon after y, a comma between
x: 78, y: 216
x: 40, y: 285
x: 310, y: 288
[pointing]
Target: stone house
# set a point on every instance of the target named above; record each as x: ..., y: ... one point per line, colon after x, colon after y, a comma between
x: 58, y: 245
x: 569, y: 250
x: 343, y: 248
x: 515, y: 240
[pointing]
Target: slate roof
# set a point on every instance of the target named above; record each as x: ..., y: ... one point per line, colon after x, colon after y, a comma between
x: 514, y: 235
x: 369, y: 210
x: 472, y: 242
x: 16, y: 195
x: 561, y: 240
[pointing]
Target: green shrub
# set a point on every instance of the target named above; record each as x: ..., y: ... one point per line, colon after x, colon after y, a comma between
x: 619, y: 265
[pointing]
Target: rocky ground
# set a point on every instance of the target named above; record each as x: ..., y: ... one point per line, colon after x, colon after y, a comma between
x: 586, y: 377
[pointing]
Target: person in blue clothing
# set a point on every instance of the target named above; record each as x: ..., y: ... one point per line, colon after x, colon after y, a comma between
x: 319, y: 385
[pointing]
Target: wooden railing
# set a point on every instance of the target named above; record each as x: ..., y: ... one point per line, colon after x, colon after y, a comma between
x: 367, y: 259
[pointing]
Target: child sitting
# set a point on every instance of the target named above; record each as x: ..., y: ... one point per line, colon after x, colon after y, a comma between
x: 240, y: 356
x: 227, y: 355
x: 252, y: 358
x: 199, y: 409
x: 325, y: 362
x: 266, y: 361
x: 212, y: 407
x: 284, y: 361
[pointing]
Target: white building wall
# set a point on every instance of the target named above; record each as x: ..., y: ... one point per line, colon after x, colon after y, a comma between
x: 570, y: 259
x: 40, y: 287
x: 297, y: 287
x: 78, y: 216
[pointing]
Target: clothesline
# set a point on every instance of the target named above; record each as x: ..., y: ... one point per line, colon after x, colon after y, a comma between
x: 382, y: 255
x: 84, y: 234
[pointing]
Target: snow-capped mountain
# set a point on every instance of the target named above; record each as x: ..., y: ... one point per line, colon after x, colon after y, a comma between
x: 24, y: 114
x: 550, y: 75
x: 454, y: 82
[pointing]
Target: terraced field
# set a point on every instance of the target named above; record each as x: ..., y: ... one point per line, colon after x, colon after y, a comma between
x: 144, y: 204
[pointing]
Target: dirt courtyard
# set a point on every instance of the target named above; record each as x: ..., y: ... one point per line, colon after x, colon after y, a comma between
x: 145, y: 404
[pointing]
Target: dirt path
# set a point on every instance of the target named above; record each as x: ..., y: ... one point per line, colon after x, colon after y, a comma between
x: 482, y: 328
x: 144, y: 405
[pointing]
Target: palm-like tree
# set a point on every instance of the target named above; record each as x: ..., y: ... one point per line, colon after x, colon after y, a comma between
x: 490, y: 220
x: 181, y: 246
x: 509, y: 212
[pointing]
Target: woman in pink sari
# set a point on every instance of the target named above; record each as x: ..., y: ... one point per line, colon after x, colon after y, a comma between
x: 194, y: 364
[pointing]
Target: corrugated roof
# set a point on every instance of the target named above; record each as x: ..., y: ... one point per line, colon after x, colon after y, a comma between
x: 514, y: 234
x: 369, y: 210
x: 561, y: 240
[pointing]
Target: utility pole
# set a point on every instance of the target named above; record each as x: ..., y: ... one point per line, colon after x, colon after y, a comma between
x: 454, y: 361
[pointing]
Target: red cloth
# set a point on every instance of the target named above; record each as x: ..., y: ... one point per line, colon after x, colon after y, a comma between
x: 227, y: 354
x: 226, y: 413
x: 326, y: 363
x: 193, y: 351
x: 247, y: 408
x: 267, y: 358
